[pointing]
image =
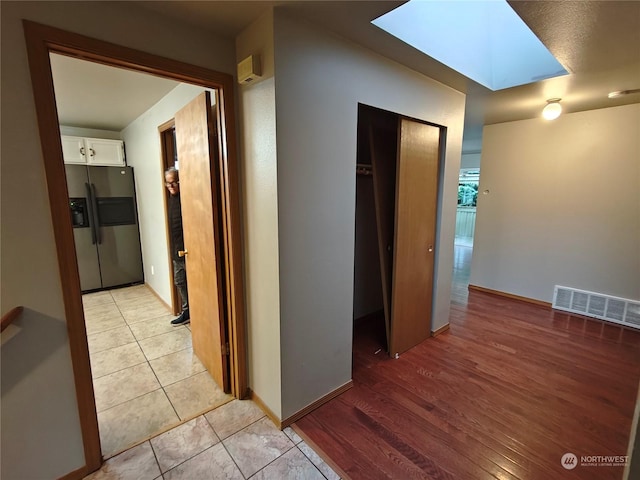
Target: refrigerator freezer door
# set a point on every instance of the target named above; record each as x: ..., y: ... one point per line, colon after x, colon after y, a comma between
x: 86, y: 251
x: 119, y: 246
x: 112, y: 181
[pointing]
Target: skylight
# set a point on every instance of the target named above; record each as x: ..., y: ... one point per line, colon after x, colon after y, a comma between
x: 484, y: 40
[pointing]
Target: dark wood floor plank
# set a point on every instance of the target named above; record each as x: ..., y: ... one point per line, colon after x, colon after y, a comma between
x: 567, y: 389
x: 412, y: 431
x: 503, y: 394
x: 481, y: 413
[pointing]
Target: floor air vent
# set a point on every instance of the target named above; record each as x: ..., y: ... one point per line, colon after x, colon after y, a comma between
x: 605, y: 307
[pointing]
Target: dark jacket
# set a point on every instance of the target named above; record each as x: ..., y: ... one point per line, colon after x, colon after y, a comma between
x: 175, y: 226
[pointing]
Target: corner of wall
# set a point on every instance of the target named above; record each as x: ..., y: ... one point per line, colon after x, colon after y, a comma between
x: 257, y: 39
x: 259, y: 193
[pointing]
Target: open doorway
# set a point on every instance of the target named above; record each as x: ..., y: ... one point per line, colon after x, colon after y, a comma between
x: 146, y: 375
x: 41, y: 42
x: 370, y: 330
x: 468, y: 182
x: 468, y: 186
x: 395, y: 218
x: 169, y: 155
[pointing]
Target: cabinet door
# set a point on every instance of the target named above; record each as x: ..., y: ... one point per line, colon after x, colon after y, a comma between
x: 104, y: 152
x: 414, y: 249
x: 73, y: 149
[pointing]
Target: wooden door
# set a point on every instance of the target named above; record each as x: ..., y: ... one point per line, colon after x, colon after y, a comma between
x: 415, y: 226
x: 196, y: 148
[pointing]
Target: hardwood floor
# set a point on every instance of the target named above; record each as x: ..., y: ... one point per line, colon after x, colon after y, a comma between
x: 505, y: 393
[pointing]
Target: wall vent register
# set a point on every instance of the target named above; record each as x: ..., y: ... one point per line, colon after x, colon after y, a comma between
x: 597, y: 305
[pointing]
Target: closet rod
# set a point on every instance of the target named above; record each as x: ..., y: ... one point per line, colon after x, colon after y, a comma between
x: 364, y: 169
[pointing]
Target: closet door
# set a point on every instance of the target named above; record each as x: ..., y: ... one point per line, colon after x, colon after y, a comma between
x: 415, y: 225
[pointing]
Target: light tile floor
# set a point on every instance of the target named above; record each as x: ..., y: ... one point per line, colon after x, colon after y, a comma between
x: 146, y: 378
x: 148, y: 383
x: 234, y: 441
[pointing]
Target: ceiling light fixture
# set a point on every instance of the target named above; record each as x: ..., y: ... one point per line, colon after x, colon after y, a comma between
x: 552, y: 110
x: 621, y: 93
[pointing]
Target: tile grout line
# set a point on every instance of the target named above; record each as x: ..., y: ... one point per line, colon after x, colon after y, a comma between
x: 147, y: 361
x: 297, y: 445
x: 116, y: 304
x: 208, y: 448
x: 113, y: 300
x: 152, y: 370
x: 181, y: 422
x: 224, y: 446
x: 155, y: 455
x: 244, y: 428
x: 309, y: 458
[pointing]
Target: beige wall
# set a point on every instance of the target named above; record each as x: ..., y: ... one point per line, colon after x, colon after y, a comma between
x: 257, y: 121
x: 40, y: 428
x: 563, y: 206
x: 300, y: 278
x: 298, y: 128
x: 319, y: 81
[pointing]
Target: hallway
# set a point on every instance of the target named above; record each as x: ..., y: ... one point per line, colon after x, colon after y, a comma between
x: 234, y: 441
x: 160, y: 414
x: 504, y: 393
x: 146, y: 378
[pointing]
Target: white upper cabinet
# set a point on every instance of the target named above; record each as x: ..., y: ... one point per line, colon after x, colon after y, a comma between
x: 92, y: 151
x: 73, y: 149
x: 105, y: 152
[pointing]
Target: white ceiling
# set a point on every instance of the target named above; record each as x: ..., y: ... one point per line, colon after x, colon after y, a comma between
x: 92, y: 95
x: 598, y: 42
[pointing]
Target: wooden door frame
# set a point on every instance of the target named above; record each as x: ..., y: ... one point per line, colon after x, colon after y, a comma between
x: 167, y: 151
x: 41, y: 40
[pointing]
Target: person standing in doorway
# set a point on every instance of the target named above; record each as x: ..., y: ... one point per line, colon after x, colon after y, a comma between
x: 172, y: 182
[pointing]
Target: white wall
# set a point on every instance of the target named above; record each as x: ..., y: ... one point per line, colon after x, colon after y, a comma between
x: 142, y: 145
x: 319, y: 81
x: 563, y: 207
x: 41, y: 436
x: 470, y: 160
x: 262, y: 292
x: 260, y: 201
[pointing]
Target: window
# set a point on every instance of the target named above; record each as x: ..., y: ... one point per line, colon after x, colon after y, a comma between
x: 468, y: 188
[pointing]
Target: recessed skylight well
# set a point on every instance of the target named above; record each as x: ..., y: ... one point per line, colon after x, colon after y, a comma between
x: 484, y: 40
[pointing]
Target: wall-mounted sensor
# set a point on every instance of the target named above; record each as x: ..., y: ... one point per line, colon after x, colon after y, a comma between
x: 249, y: 69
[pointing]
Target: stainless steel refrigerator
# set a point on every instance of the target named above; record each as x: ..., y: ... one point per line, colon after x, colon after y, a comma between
x: 105, y: 226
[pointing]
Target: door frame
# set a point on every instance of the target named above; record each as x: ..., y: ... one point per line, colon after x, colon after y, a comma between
x: 167, y: 152
x: 42, y: 40
x: 368, y: 116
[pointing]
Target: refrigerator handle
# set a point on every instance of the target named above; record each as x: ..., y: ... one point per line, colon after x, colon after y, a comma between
x: 92, y: 222
x: 96, y: 223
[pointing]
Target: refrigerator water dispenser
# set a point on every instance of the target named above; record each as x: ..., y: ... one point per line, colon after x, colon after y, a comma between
x: 79, y: 212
